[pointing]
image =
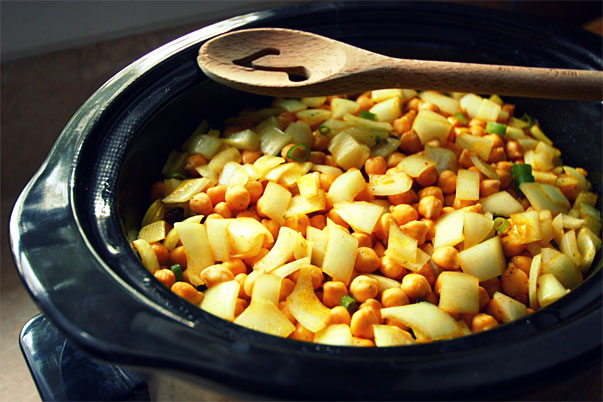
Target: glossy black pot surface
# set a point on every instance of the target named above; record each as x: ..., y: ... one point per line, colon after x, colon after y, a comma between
x: 69, y: 228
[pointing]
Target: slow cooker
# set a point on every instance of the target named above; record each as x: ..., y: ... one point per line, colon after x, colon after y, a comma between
x: 71, y: 226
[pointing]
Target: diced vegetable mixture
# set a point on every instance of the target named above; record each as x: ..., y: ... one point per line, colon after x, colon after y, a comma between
x: 390, y: 218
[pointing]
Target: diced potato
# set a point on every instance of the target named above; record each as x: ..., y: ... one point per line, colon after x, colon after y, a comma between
x: 273, y: 139
x: 360, y: 215
x: 586, y: 197
x: 289, y: 178
x: 549, y: 290
x: 525, y: 227
x: 444, y: 158
x: 304, y: 305
x: 341, y: 107
x: 154, y: 232
x: 334, y: 334
x: 302, y: 248
x: 426, y: 318
x: 389, y: 184
x: 546, y: 227
x: 379, y: 95
x: 501, y: 204
x: 318, y: 239
x: 386, y: 147
x: 514, y: 133
x: 449, y: 229
x: 569, y: 247
x: 485, y: 260
x: 280, y: 253
x: 421, y: 259
x: 198, y: 251
x: 470, y: 104
x: 340, y: 253
x: 207, y: 172
x: 359, y: 121
x: 314, y: 101
x: 488, y: 110
x: 367, y: 136
x: 431, y: 125
x: 266, y: 163
x: 185, y: 191
x: 291, y: 105
x: 218, y: 238
x: 459, y: 292
x: 147, y: 255
x: 558, y: 228
x: 245, y: 139
x: 265, y: 317
x: 476, y: 227
x: 555, y: 195
x: 482, y: 146
x: 387, y: 110
x: 539, y: 135
x: 348, y: 151
x: 246, y: 236
x: 301, y: 132
x: 285, y: 270
x: 233, y: 174
x: 505, y: 308
x: 230, y: 154
x: 347, y: 186
x: 384, y: 282
x: 221, y: 299
x: 560, y: 265
x: 171, y: 240
x: 467, y: 185
x: 400, y: 247
x: 484, y: 167
x: 535, y: 271
x: 539, y: 199
x: 302, y: 205
x: 276, y: 173
x: 274, y: 202
x: 415, y: 164
x: 154, y: 213
x: 587, y: 248
x: 308, y: 185
x: 267, y: 288
x: 387, y: 335
x: 446, y: 104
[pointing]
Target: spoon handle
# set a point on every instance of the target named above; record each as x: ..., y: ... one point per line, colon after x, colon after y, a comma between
x: 481, y: 78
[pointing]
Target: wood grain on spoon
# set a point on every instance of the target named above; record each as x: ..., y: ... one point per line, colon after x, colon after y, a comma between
x: 284, y: 62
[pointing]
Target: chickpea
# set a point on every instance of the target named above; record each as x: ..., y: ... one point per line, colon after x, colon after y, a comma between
x: 430, y: 224
x: 178, y: 256
x: 446, y: 258
x: 375, y: 165
x: 374, y: 305
x: 330, y: 161
x: 238, y: 198
x: 428, y: 106
x: 282, y: 306
x: 361, y: 342
x: 428, y: 177
x: 367, y: 260
x: 255, y: 190
x: 333, y: 291
x: 488, y: 187
x: 410, y: 143
x: 201, y: 204
x: 428, y: 272
x: 250, y: 156
x: 458, y: 203
x: 364, y: 240
x: 299, y: 223
x: 250, y: 282
x: 393, y: 297
x: 483, y: 322
x: 430, y: 207
x: 364, y: 287
x: 510, y: 247
x: 514, y: 149
x: 240, y: 306
x: 364, y: 195
x: 391, y: 269
x: 334, y: 216
x: 465, y: 159
x: 395, y: 323
x: 325, y: 181
x: 477, y: 131
x: 477, y: 122
x: 320, y: 142
x: 492, y: 286
x: 415, y: 286
x: 362, y: 323
x: 165, y: 276
x: 157, y: 190
x: 317, y: 277
x: 514, y: 281
x: 287, y: 286
x: 216, y: 274
x: 162, y: 253
x: 192, y: 162
x: 236, y: 266
x: 317, y: 157
x: 339, y: 315
x: 447, y: 182
x: 301, y: 333
x: 403, y: 213
x: 213, y: 216
x: 222, y: 208
x: 497, y: 155
x: 415, y: 229
x: 381, y: 230
x: 394, y: 158
x: 431, y: 191
x: 188, y: 292
x: 448, y: 201
x: 404, y: 123
x: 413, y: 104
x: 318, y: 221
x: 407, y: 197
x: 505, y: 178
x: 285, y: 150
x: 250, y: 261
x: 484, y: 298
x: 240, y: 278
x: 522, y: 262
x: 217, y: 194
x: 365, y: 101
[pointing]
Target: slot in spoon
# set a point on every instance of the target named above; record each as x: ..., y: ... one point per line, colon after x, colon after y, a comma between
x: 285, y: 62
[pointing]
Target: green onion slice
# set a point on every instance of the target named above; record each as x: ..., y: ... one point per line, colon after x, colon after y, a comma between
x: 177, y: 270
x: 349, y: 303
x: 175, y: 175
x: 324, y: 130
x: 501, y: 225
x: 528, y: 118
x: 461, y: 117
x: 496, y: 128
x: 522, y: 173
x: 365, y: 114
x: 294, y: 154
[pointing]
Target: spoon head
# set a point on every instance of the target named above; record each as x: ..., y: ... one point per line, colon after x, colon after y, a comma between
x: 272, y: 61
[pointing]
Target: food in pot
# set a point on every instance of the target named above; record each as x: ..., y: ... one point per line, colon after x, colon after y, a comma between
x: 389, y: 218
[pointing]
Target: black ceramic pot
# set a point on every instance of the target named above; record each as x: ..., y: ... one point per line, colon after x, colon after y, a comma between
x: 69, y: 227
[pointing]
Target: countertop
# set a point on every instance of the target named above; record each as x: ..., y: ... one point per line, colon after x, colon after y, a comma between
x: 38, y: 95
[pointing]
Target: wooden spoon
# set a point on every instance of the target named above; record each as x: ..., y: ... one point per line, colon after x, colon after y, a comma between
x: 285, y: 62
